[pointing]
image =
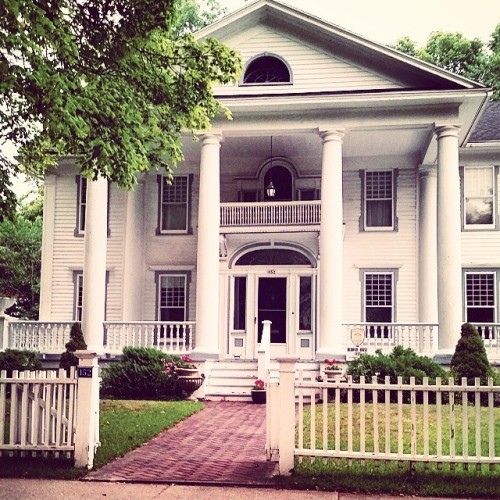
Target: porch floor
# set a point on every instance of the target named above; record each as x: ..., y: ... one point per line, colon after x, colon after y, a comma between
x: 222, y: 444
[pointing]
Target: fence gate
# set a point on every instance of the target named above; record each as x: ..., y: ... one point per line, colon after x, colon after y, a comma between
x: 37, y: 413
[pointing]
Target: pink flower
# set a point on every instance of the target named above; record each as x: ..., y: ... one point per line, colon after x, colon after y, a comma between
x: 259, y: 384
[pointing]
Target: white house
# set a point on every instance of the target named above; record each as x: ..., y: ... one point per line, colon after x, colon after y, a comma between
x: 352, y: 201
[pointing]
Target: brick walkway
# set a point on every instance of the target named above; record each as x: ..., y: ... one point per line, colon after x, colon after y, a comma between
x: 222, y: 444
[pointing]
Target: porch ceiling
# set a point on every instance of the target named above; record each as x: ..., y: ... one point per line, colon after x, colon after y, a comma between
x: 389, y: 142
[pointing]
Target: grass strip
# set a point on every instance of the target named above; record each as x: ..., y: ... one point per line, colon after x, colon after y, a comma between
x: 123, y: 426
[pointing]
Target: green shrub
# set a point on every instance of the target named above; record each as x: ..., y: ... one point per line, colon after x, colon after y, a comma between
x: 14, y: 359
x: 142, y: 373
x: 470, y: 359
x: 76, y: 342
x: 400, y: 362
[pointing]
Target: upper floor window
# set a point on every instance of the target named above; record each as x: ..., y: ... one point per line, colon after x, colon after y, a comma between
x: 174, y: 204
x: 81, y: 204
x: 267, y: 70
x: 479, y: 197
x: 379, y: 205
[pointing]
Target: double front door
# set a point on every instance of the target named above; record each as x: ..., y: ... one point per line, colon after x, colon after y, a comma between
x: 286, y: 298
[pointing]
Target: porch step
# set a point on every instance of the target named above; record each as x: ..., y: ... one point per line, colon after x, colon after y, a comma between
x: 233, y: 380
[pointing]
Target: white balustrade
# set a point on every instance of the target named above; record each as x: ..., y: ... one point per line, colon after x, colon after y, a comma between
x: 490, y: 333
x: 293, y: 213
x: 420, y: 337
x: 169, y: 337
x: 41, y: 336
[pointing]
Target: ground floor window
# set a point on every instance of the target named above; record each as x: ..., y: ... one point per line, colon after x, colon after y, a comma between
x: 78, y: 295
x: 378, y: 302
x: 480, y: 300
x: 305, y: 304
x: 172, y: 297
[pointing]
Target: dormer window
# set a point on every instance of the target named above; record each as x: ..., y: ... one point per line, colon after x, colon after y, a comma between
x: 265, y: 70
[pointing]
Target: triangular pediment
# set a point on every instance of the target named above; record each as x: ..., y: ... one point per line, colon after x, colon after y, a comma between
x: 322, y: 57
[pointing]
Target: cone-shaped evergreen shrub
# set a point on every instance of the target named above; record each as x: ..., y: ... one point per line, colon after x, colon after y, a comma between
x: 470, y: 359
x: 76, y: 343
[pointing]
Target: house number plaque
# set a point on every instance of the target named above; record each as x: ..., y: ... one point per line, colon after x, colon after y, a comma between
x: 271, y: 271
x: 84, y: 372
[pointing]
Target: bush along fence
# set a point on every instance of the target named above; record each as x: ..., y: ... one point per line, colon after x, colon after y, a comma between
x: 51, y: 413
x: 436, y: 423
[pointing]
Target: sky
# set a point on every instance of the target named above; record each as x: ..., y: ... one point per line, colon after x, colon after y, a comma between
x: 385, y: 21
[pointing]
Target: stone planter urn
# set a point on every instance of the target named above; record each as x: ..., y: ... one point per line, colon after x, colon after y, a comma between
x: 258, y: 396
x: 187, y: 372
x: 333, y: 375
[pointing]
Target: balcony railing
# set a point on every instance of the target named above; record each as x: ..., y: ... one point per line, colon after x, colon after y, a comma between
x: 292, y: 213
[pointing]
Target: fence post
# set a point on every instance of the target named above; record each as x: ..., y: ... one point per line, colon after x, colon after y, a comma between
x: 264, y: 350
x: 87, y: 409
x: 287, y: 414
x: 272, y: 420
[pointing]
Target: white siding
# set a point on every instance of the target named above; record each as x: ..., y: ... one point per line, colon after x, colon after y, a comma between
x: 312, y: 70
x: 381, y: 250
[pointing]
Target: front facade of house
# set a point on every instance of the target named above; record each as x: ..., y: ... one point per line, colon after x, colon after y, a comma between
x: 352, y: 201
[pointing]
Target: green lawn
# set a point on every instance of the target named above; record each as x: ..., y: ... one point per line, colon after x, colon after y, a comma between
x: 394, y: 478
x: 124, y: 425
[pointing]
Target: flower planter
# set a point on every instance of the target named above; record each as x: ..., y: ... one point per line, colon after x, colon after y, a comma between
x: 187, y: 372
x: 190, y: 384
x: 259, y: 396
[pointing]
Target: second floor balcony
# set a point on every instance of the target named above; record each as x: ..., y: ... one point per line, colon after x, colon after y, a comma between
x: 264, y: 217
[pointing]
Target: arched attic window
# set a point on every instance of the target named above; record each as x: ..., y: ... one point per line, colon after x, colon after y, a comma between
x: 266, y: 70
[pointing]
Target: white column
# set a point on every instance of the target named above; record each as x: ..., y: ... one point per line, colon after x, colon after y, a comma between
x: 448, y: 240
x: 49, y: 208
x: 427, y: 245
x: 331, y: 247
x: 94, y: 267
x: 133, y: 258
x: 207, y: 272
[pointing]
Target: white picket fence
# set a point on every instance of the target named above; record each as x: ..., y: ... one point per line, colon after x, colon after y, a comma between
x: 382, y: 421
x: 37, y: 413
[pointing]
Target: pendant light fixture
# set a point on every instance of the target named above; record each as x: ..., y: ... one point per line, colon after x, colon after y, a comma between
x: 270, y: 189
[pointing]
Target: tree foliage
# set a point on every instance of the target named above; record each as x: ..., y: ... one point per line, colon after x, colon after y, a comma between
x: 453, y: 52
x: 20, y: 259
x: 113, y: 83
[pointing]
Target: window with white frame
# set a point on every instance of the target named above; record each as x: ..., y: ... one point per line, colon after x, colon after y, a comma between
x: 378, y: 200
x: 378, y: 305
x: 479, y: 197
x: 172, y: 297
x: 81, y: 204
x: 78, y: 296
x: 174, y: 204
x: 480, y: 297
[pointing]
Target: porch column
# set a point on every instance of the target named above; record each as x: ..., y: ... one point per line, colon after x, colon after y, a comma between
x: 133, y: 257
x: 207, y: 281
x: 448, y: 240
x: 427, y: 245
x: 94, y: 266
x: 331, y: 247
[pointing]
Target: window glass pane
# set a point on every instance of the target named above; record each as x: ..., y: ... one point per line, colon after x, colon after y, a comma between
x: 305, y: 303
x: 267, y: 69
x: 78, y: 297
x: 479, y: 195
x: 378, y: 199
x: 378, y: 298
x: 174, y: 204
x: 240, y: 299
x: 480, y: 297
x: 172, y: 298
x: 82, y: 199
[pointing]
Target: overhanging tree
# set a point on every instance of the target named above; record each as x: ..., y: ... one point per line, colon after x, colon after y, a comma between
x: 111, y: 82
x: 452, y: 51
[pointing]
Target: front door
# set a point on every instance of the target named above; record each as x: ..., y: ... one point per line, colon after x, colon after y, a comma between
x: 272, y: 305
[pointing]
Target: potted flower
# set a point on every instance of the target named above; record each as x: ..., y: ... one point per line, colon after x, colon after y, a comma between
x: 333, y: 370
x: 185, y: 367
x: 259, y: 391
